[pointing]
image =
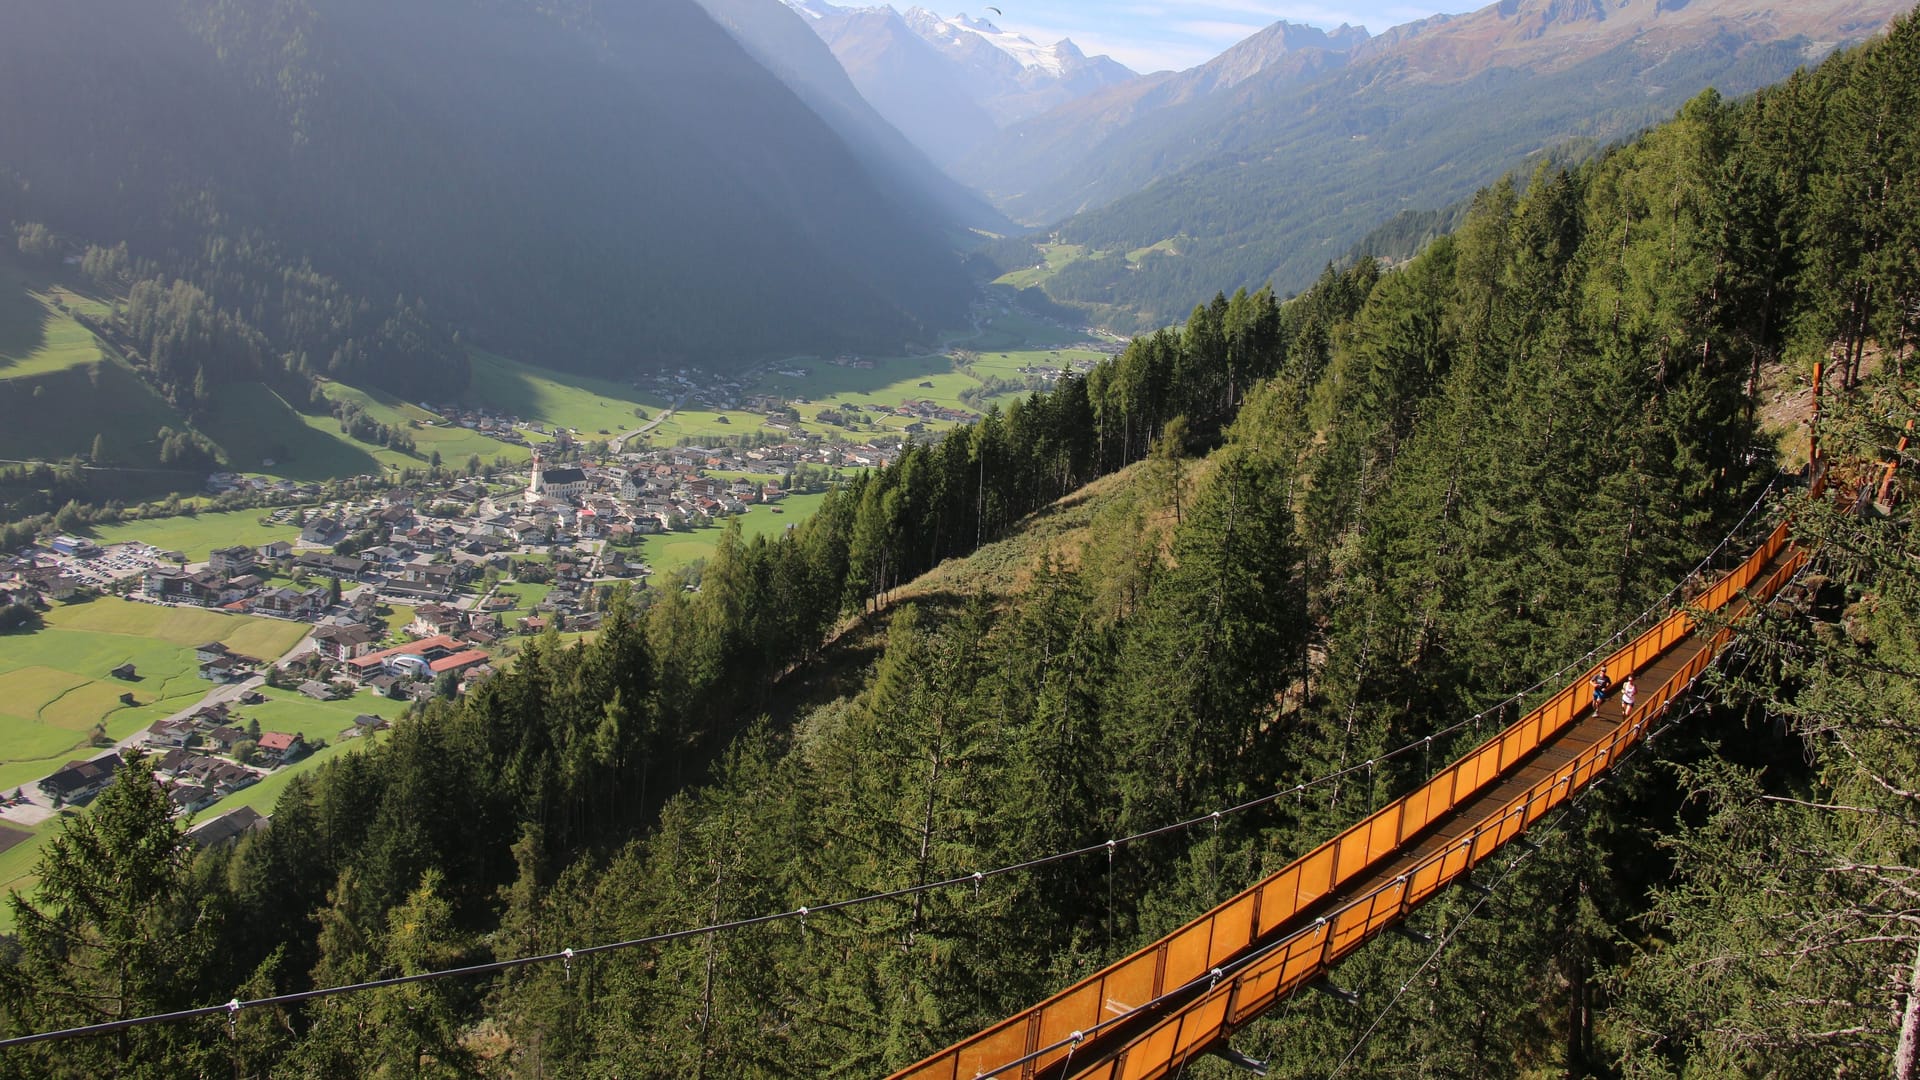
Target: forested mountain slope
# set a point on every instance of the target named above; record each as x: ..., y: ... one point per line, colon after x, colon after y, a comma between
x: 604, y: 187
x: 1270, y: 178
x: 1428, y: 489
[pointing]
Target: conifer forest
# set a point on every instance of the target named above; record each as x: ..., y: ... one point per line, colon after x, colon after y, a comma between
x: 1254, y: 550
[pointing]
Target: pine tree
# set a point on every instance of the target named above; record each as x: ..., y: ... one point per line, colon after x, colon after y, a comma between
x: 115, y: 929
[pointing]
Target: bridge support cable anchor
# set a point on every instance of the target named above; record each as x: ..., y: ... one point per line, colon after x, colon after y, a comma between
x: 1337, y: 993
x: 1403, y: 930
x: 1473, y: 886
x: 1234, y: 1057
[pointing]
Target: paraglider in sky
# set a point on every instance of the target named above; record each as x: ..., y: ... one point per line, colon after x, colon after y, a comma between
x: 995, y: 10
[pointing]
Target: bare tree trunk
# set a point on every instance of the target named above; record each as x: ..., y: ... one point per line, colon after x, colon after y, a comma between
x: 1906, y: 1055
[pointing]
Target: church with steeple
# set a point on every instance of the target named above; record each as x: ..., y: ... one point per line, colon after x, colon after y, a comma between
x: 563, y: 484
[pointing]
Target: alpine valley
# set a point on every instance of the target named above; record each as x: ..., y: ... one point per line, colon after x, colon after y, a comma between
x: 607, y: 538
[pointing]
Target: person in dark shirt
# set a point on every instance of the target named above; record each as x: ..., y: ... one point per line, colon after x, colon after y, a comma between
x: 1601, y: 684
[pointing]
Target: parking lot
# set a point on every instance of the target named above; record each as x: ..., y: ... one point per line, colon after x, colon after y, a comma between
x: 114, y: 563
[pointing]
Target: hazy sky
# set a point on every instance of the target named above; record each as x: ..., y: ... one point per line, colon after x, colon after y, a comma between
x: 1151, y: 35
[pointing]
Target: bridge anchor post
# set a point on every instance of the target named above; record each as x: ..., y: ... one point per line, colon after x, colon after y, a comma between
x: 1234, y: 1057
x: 1335, y: 992
x: 1411, y: 934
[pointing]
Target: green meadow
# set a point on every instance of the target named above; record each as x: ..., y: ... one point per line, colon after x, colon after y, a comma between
x: 261, y: 433
x: 1055, y: 257
x: 166, y: 668
x: 196, y: 534
x: 54, y: 413
x: 36, y: 336
x: 292, y: 711
x: 55, y: 686
x: 1002, y: 344
x: 666, y: 552
x: 525, y: 595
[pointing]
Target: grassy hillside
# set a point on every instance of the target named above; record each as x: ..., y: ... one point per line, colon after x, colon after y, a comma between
x: 60, y: 389
x: 36, y: 335
x: 557, y: 399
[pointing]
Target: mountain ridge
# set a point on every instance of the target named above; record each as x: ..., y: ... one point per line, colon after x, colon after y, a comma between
x: 1277, y: 174
x: 950, y: 84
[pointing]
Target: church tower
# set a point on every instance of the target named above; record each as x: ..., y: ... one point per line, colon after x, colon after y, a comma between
x: 533, y: 484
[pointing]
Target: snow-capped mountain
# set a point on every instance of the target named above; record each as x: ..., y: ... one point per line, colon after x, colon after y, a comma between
x: 1014, y: 77
x: 950, y: 83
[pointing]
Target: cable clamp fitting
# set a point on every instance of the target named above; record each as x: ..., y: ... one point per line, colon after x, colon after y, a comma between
x: 566, y: 961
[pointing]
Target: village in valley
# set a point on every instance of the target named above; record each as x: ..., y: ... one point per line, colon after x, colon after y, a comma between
x: 280, y: 634
x: 417, y: 592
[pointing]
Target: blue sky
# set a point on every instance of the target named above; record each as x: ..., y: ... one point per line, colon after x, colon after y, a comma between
x: 1151, y: 35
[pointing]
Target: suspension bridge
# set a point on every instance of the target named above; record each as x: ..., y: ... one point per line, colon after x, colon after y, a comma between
x: 1147, y: 1015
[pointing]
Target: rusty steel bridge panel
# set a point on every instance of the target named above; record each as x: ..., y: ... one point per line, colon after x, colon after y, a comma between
x: 1224, y: 969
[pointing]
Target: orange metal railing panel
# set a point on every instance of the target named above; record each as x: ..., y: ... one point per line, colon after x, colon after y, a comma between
x: 1040, y: 1037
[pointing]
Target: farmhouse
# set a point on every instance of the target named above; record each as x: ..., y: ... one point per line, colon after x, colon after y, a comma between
x: 81, y: 780
x: 227, y: 828
x: 280, y: 747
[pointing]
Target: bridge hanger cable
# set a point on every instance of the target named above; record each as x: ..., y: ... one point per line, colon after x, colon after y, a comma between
x: 232, y: 1008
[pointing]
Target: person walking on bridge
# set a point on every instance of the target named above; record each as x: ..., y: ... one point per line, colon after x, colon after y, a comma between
x: 1601, y: 684
x: 1626, y: 697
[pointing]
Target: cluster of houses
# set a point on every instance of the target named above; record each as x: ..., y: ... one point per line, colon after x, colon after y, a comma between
x: 35, y: 583
x: 193, y: 782
x: 200, y: 758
